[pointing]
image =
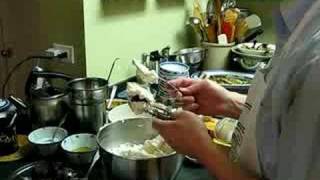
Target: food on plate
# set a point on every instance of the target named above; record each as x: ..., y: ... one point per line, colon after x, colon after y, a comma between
x: 256, y: 48
x: 152, y: 148
x: 230, y: 79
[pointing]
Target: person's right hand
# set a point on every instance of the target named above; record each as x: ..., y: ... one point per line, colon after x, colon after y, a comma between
x: 204, y: 97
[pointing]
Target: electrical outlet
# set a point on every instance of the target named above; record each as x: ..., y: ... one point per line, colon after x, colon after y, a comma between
x: 70, y: 52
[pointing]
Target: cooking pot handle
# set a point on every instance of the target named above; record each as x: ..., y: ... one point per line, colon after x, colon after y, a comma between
x: 18, y: 103
x: 45, y: 74
x: 51, y: 75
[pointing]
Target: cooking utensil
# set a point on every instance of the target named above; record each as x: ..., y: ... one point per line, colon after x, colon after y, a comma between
x: 88, y: 97
x: 94, y: 161
x: 80, y: 149
x: 113, y: 94
x: 197, y: 12
x: 228, y: 4
x: 42, y: 141
x: 253, y: 21
x: 48, y: 104
x: 217, y: 7
x: 252, y: 34
x: 134, y: 131
x: 197, y: 24
x: 111, y: 70
x: 63, y: 120
x: 210, y: 11
x: 193, y: 57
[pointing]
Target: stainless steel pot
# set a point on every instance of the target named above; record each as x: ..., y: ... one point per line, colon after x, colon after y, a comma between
x: 48, y: 109
x: 48, y: 104
x: 134, y: 131
x: 193, y: 57
x: 87, y: 100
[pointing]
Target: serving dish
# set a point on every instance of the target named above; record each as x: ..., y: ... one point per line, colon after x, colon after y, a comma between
x: 255, y: 54
x: 241, y: 88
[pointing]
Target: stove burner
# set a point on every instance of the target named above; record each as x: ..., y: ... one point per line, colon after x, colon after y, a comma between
x: 43, y: 170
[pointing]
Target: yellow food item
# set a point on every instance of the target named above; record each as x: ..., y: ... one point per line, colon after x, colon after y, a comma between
x: 211, y: 124
x: 82, y: 149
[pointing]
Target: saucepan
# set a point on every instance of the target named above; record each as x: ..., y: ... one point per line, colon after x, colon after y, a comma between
x: 135, y: 130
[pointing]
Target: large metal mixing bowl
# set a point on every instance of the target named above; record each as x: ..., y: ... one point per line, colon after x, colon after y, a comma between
x: 134, y: 131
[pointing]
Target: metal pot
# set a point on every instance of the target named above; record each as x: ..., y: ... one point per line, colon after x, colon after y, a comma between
x: 135, y: 131
x: 49, y: 109
x: 88, y: 97
x: 48, y: 104
x: 193, y: 57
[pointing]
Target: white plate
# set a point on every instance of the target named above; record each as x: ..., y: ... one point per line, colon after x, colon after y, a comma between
x: 123, y: 112
x: 174, y: 68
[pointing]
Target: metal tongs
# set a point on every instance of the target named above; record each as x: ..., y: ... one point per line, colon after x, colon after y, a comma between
x: 155, y: 109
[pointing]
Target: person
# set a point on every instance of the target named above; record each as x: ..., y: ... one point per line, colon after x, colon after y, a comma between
x: 280, y: 113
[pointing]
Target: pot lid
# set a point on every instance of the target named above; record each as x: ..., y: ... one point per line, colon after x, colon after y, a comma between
x: 4, y: 105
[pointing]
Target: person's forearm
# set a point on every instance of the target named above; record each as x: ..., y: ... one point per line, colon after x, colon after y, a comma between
x: 219, y: 165
x: 235, y: 105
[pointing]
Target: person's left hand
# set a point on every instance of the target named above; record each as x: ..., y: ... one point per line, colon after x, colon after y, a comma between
x: 186, y: 134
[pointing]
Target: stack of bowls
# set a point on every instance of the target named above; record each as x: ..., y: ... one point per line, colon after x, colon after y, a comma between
x: 169, y: 71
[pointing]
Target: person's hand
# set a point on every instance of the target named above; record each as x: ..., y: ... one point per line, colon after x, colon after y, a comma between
x: 186, y: 134
x: 203, y: 96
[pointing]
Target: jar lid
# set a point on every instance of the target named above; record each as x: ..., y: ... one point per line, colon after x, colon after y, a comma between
x: 4, y: 105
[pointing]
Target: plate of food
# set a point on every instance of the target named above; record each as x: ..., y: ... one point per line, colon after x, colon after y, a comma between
x: 259, y: 51
x: 233, y: 81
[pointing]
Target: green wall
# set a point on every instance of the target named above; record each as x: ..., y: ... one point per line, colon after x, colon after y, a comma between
x: 127, y: 28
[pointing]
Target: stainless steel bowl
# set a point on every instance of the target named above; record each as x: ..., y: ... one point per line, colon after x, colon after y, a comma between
x: 43, y: 141
x: 80, y: 148
x: 191, y: 55
x: 134, y: 131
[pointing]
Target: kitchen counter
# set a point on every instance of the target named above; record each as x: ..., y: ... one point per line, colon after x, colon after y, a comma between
x: 188, y: 171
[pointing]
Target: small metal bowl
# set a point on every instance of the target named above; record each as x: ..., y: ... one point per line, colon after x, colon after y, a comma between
x: 80, y: 148
x: 43, y: 141
x: 191, y: 56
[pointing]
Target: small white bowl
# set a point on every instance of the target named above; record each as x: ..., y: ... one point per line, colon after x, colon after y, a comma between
x: 80, y: 148
x: 43, y: 141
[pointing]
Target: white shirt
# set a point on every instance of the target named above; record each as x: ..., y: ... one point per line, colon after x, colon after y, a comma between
x: 281, y: 121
